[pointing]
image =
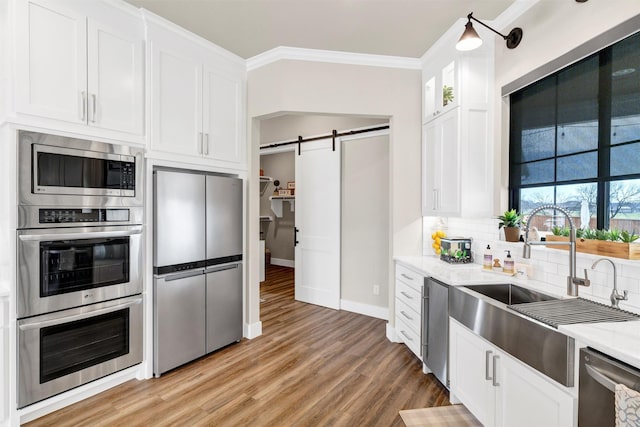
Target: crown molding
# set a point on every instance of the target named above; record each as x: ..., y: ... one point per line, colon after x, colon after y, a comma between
x: 335, y: 57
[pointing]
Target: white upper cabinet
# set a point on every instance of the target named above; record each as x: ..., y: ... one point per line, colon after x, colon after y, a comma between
x: 458, y: 146
x: 440, y: 89
x: 80, y: 63
x: 197, y: 99
x: 116, y: 77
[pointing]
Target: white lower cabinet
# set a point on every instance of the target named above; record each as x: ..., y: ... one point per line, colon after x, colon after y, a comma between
x: 409, y: 308
x: 501, y: 391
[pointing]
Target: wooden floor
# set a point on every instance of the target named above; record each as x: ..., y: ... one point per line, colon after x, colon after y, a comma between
x: 312, y: 366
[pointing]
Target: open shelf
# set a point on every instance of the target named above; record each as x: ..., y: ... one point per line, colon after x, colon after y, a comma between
x: 276, y: 204
x: 264, y: 183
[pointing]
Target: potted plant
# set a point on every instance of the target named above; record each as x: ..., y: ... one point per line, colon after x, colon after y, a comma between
x: 510, y: 220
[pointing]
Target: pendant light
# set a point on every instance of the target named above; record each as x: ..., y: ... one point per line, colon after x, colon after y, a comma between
x: 471, y: 40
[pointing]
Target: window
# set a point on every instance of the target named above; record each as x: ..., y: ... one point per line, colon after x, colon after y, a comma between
x: 575, y: 141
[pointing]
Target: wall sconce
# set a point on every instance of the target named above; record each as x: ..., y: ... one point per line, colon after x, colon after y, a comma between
x: 471, y: 40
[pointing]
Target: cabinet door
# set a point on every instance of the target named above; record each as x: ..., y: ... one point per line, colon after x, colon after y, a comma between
x: 472, y: 373
x: 51, y: 49
x: 116, y: 77
x: 223, y: 116
x: 441, y: 92
x: 441, y: 163
x: 526, y: 399
x: 176, y: 93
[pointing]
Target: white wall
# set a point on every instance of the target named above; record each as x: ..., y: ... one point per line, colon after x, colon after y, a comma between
x: 288, y: 127
x: 365, y: 225
x: 317, y: 88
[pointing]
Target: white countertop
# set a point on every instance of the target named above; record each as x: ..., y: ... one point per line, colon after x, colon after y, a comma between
x: 620, y: 340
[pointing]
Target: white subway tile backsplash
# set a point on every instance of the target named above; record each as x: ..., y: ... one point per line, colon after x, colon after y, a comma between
x: 549, y: 265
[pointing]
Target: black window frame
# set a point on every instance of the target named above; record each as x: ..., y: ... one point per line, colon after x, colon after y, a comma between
x: 604, y: 102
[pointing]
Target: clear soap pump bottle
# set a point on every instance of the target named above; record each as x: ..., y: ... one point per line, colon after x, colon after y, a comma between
x: 508, y: 264
x: 487, y: 262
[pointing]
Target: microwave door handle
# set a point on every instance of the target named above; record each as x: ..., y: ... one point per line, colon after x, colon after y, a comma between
x: 73, y: 236
x: 81, y: 316
x: 601, y: 378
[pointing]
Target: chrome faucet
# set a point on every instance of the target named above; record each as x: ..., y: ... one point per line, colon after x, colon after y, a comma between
x: 615, y: 295
x: 572, y: 280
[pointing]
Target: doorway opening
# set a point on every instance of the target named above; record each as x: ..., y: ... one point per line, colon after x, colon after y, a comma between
x: 362, y: 216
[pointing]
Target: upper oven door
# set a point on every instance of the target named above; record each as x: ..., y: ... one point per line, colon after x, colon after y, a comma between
x: 61, y: 171
x: 64, y: 268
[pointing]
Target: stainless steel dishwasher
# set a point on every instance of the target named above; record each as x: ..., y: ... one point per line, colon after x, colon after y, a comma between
x: 435, y: 328
x: 599, y: 375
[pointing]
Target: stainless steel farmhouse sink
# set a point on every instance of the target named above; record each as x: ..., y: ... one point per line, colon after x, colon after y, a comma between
x: 485, y: 311
x: 508, y: 293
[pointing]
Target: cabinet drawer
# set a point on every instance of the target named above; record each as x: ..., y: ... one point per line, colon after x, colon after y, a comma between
x: 408, y: 336
x: 410, y: 277
x: 409, y: 295
x: 408, y: 316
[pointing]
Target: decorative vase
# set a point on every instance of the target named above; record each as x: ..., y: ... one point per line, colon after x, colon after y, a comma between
x: 512, y: 234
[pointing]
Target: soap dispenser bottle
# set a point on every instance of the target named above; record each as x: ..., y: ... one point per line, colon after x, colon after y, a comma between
x: 508, y: 264
x: 487, y: 262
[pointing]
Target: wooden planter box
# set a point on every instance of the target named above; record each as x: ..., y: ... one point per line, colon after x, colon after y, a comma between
x: 600, y: 247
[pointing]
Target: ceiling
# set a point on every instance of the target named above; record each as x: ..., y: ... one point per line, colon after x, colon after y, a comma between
x: 383, y: 27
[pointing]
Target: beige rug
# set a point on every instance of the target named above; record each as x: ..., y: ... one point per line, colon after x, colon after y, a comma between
x: 439, y: 416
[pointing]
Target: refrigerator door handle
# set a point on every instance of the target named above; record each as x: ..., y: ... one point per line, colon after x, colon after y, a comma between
x: 222, y: 268
x: 182, y: 275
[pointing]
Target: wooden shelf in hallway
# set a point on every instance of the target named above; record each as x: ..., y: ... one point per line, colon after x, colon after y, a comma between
x: 312, y: 366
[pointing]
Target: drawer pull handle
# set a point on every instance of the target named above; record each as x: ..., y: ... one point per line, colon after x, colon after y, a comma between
x: 406, y: 315
x: 407, y: 336
x: 406, y: 277
x: 495, y: 377
x: 486, y: 365
x: 406, y: 295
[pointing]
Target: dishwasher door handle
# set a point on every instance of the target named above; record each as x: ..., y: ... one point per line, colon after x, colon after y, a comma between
x: 601, y: 378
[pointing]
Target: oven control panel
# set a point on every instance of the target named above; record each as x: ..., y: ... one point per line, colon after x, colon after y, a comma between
x: 52, y: 216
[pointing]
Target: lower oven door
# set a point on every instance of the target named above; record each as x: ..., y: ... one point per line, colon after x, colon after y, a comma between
x: 69, y: 267
x: 62, y: 350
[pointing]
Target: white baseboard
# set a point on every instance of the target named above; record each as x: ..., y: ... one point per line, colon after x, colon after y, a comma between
x: 252, y: 330
x: 75, y: 395
x: 283, y: 262
x: 391, y: 333
x: 366, y: 309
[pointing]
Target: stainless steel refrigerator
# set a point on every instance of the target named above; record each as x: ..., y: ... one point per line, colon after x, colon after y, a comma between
x: 197, y: 258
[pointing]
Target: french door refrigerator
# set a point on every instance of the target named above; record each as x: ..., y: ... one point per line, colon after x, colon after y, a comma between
x: 197, y: 258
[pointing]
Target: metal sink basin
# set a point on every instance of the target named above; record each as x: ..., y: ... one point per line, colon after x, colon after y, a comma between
x: 508, y: 293
x: 540, y: 346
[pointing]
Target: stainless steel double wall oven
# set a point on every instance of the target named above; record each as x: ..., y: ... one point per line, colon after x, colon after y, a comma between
x: 79, y: 273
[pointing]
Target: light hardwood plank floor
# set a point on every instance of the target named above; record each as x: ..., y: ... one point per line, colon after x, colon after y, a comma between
x: 312, y: 366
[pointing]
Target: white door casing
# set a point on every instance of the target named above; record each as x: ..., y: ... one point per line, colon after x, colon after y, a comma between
x: 317, y: 205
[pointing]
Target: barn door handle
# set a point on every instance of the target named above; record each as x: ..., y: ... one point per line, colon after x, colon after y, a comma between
x: 295, y: 236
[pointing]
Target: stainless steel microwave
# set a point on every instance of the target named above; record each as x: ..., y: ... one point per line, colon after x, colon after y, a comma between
x: 61, y: 171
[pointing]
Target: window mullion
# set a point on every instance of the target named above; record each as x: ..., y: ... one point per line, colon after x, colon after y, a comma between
x: 604, y: 137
